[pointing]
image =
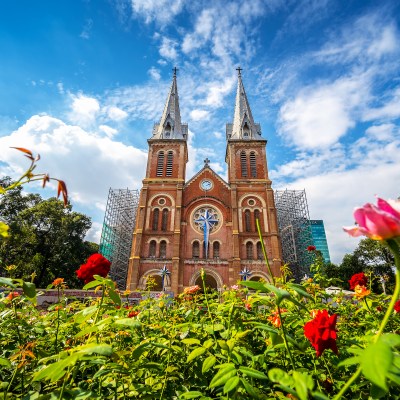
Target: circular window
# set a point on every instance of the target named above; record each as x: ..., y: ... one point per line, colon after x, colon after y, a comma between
x: 251, y: 202
x: 206, y: 218
x: 161, y: 201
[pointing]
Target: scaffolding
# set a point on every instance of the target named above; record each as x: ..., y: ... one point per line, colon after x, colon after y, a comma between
x: 295, y: 230
x: 116, y: 235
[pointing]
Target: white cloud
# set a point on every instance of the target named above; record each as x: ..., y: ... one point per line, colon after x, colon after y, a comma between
x: 168, y: 48
x: 89, y: 164
x: 382, y: 132
x: 110, y: 132
x: 389, y: 110
x: 87, y: 29
x: 94, y: 233
x: 84, y: 109
x: 320, y: 115
x: 161, y: 11
x: 116, y: 114
x: 198, y: 115
x: 154, y: 73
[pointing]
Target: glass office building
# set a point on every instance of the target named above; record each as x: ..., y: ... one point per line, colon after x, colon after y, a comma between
x: 319, y: 237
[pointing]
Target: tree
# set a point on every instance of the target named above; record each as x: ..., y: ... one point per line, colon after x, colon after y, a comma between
x: 46, y: 239
x: 371, y: 257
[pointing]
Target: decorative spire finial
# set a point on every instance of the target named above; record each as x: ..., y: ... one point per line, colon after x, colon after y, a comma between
x: 206, y: 162
x: 239, y: 70
x: 175, y: 70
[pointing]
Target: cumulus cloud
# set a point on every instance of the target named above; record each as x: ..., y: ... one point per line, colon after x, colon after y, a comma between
x: 89, y: 164
x: 154, y: 73
x: 198, y: 115
x: 168, y: 48
x: 115, y: 113
x: 110, y: 132
x: 160, y: 11
x: 84, y: 109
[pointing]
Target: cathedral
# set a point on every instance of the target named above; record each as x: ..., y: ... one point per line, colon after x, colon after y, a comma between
x: 205, y: 222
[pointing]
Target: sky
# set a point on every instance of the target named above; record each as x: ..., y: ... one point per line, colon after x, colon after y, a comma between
x: 82, y: 82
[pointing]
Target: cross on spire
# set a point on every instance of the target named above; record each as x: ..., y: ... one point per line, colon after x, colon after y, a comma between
x: 175, y: 70
x: 206, y: 162
x: 239, y: 70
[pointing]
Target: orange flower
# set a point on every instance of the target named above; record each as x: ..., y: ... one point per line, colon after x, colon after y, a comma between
x: 361, y: 291
x: 58, y: 282
x: 191, y: 289
x: 275, y: 320
x: 12, y: 295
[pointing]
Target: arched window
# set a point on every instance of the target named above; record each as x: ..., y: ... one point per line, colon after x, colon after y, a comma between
x: 196, y: 249
x: 260, y: 254
x: 256, y: 217
x: 204, y: 250
x: 249, y: 250
x: 246, y: 131
x: 156, y: 215
x: 160, y: 163
x: 216, y: 249
x: 253, y: 165
x: 152, y: 248
x: 243, y: 162
x: 163, y: 249
x: 170, y: 159
x: 164, y: 220
x: 247, y: 221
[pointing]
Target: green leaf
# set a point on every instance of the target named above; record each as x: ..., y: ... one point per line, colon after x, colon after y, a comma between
x: 208, y: 363
x: 7, y: 282
x: 191, y: 341
x: 250, y: 389
x: 302, y: 382
x: 253, y: 373
x: 29, y: 289
x: 114, y: 296
x: 101, y: 348
x: 4, y: 229
x: 231, y: 384
x: 55, y: 371
x: 196, y: 353
x: 299, y: 289
x: 5, y: 362
x: 392, y: 339
x: 191, y: 395
x: 132, y: 322
x: 280, y: 376
x: 255, y: 286
x: 376, y: 361
x: 223, y: 375
x: 349, y: 361
x: 92, y: 284
x: 139, y: 350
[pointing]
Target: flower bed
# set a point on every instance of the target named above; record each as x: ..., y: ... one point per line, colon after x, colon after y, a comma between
x: 258, y: 340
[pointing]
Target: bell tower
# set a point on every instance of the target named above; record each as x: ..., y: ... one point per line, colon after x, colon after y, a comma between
x: 156, y: 239
x: 251, y: 193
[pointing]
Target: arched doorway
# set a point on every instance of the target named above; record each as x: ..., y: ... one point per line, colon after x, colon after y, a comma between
x: 157, y: 283
x: 209, y: 281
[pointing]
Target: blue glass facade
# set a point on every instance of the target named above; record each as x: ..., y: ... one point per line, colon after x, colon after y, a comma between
x: 319, y: 237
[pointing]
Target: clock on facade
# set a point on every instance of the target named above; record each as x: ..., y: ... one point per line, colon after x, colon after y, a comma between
x: 206, y: 184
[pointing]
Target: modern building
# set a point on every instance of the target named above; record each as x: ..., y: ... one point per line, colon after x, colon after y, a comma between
x: 319, y: 237
x: 295, y: 230
x: 204, y: 222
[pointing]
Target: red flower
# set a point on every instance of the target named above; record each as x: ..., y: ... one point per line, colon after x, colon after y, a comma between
x: 397, y: 307
x: 133, y: 314
x: 311, y: 248
x: 358, y: 279
x: 12, y: 295
x: 96, y: 264
x: 321, y: 332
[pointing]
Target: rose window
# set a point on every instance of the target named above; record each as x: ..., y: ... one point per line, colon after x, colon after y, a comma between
x: 206, y: 218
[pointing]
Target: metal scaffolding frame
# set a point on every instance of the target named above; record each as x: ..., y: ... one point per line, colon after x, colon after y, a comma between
x: 295, y: 230
x: 116, y: 235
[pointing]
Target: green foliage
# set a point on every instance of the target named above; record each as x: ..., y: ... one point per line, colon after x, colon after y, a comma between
x: 46, y: 239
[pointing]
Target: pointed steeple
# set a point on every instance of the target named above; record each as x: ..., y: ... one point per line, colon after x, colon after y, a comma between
x: 170, y: 125
x: 243, y: 126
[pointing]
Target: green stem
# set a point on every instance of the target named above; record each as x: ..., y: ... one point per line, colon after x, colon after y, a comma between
x: 206, y: 298
x: 284, y: 337
x: 394, y: 248
x: 64, y: 383
x: 98, y: 309
x: 264, y: 252
x: 11, y: 382
x: 165, y: 376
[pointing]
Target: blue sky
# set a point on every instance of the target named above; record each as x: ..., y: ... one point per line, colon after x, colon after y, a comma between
x: 82, y: 83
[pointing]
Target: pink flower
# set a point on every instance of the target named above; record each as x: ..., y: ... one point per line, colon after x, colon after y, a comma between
x: 378, y: 222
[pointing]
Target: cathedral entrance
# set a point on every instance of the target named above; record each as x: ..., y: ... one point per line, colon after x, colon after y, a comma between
x: 157, y: 283
x: 209, y: 281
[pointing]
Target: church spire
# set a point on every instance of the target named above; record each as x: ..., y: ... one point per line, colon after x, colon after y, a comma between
x: 243, y: 126
x: 170, y: 126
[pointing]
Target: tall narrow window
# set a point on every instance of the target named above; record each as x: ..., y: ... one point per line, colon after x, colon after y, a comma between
x: 216, y: 249
x: 164, y: 220
x: 247, y: 221
x: 156, y: 214
x: 170, y: 159
x: 249, y: 250
x: 256, y: 217
x: 253, y: 165
x: 163, y: 249
x: 260, y: 254
x: 243, y: 162
x: 204, y: 250
x: 196, y: 249
x: 152, y: 248
x: 167, y: 131
x: 246, y: 131
x: 160, y: 163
